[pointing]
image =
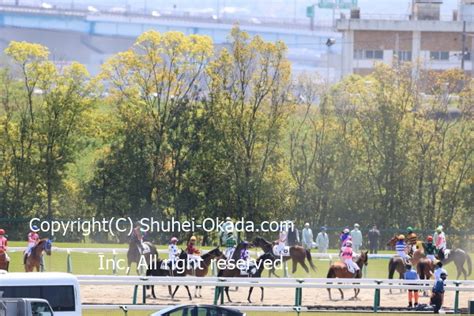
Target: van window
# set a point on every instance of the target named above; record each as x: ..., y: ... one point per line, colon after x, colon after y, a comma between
x: 40, y: 309
x: 61, y: 297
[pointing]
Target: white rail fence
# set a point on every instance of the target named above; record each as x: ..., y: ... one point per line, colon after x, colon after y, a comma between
x: 289, y: 283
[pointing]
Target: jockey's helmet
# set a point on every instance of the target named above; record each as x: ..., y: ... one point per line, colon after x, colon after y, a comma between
x: 346, y: 230
x: 193, y: 238
x: 401, y: 237
x: 323, y: 228
x: 356, y: 225
x: 429, y: 238
x: 348, y: 243
x: 245, y: 243
x: 409, y: 229
x: 2, y: 231
x: 439, y: 229
x: 34, y: 228
x: 174, y: 239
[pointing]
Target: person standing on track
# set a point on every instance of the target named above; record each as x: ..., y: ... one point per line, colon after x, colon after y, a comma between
x: 307, y: 237
x: 373, y: 236
x: 356, y: 235
x: 411, y: 274
x: 322, y: 240
x: 437, y: 295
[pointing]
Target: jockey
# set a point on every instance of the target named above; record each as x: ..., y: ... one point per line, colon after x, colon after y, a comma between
x: 411, y: 240
x: 401, y: 248
x: 191, y: 249
x: 346, y: 255
x: 345, y: 235
x: 281, y: 242
x: 244, y: 252
x: 173, y: 250
x: 440, y: 242
x: 33, y: 239
x: 230, y: 245
x: 429, y: 248
x: 4, y: 244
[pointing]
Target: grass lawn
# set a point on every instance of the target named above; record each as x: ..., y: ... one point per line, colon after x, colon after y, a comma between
x: 89, y: 263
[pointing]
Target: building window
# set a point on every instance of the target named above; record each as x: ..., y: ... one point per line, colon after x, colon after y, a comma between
x: 368, y: 54
x: 439, y: 55
x: 402, y: 55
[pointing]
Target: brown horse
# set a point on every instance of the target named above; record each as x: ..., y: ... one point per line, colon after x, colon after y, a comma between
x: 396, y: 264
x: 3, y: 261
x: 201, y: 270
x: 297, y: 254
x: 34, y: 260
x: 339, y: 270
x: 425, y: 269
x: 134, y: 254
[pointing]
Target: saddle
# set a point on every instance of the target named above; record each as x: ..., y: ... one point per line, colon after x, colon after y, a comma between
x: 284, y: 253
x: 248, y: 270
x: 146, y: 249
x: 164, y: 265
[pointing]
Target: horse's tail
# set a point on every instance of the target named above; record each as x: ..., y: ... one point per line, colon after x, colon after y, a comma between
x: 469, y: 264
x: 391, y: 268
x: 310, y: 260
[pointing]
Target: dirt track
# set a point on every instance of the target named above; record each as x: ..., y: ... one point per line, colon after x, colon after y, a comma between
x: 123, y: 295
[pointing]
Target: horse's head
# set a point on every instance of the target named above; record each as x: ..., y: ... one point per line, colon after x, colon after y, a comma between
x: 48, y: 245
x: 392, y: 241
x: 214, y: 253
x: 364, y: 257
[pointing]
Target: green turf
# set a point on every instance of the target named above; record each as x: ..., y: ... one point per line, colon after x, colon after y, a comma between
x: 88, y: 263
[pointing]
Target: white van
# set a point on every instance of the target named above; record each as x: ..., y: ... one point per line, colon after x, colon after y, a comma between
x: 61, y: 290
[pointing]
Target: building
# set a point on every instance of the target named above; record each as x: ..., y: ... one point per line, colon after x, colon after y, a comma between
x: 424, y: 37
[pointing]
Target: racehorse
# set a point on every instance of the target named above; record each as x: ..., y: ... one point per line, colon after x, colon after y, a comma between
x: 134, y: 255
x: 201, y: 270
x: 3, y: 261
x: 34, y: 260
x: 425, y: 269
x: 158, y: 269
x: 297, y: 254
x: 339, y: 270
x: 459, y: 257
x: 396, y: 264
x: 253, y: 272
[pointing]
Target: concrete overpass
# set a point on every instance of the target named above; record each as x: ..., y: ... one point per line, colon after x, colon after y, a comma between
x: 90, y: 38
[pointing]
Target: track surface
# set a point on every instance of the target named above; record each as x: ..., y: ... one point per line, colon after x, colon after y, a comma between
x: 92, y: 294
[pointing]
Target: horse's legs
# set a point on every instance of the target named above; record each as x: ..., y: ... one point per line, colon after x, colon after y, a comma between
x: 329, y: 291
x: 227, y: 293
x: 189, y: 293
x: 175, y: 290
x: 294, y: 265
x: 153, y: 291
x: 305, y: 267
x: 261, y: 296
x: 250, y: 294
x: 342, y: 294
